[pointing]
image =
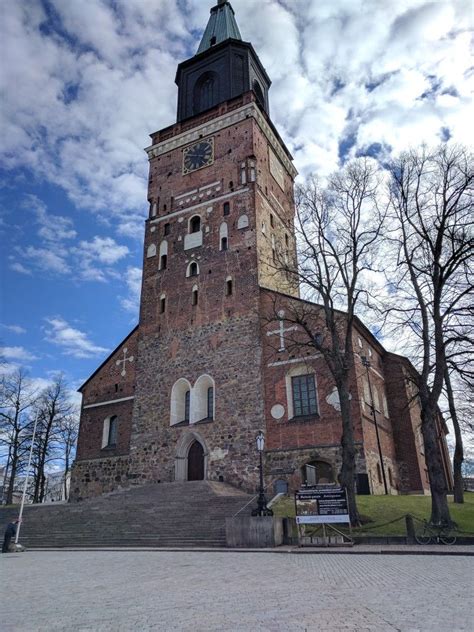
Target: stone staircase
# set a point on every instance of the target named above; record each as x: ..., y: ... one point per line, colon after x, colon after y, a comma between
x: 190, y: 514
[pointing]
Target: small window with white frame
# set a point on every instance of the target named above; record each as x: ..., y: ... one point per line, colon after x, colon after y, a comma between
x: 110, y: 432
x: 301, y: 392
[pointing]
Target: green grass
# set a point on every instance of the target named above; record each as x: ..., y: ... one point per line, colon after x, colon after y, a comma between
x: 382, y: 509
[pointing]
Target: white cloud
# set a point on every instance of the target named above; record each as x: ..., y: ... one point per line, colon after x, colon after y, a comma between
x: 17, y: 353
x: 46, y: 260
x: 84, y: 104
x: 133, y: 279
x: 73, y: 341
x: 16, y: 266
x: 103, y: 249
x: 16, y: 329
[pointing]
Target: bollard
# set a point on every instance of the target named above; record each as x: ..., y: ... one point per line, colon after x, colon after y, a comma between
x: 410, y: 529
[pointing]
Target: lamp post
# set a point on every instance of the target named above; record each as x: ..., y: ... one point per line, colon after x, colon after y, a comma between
x: 261, y: 509
x: 366, y: 363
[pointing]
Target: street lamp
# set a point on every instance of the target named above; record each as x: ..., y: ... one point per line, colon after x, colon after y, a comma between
x: 366, y: 363
x: 261, y: 509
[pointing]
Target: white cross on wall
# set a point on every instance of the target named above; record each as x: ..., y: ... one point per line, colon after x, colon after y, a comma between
x: 281, y: 330
x: 124, y: 361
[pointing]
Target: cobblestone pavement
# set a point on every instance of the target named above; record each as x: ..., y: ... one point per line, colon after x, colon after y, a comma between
x: 234, y: 592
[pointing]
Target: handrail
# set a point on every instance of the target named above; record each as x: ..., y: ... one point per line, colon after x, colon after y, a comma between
x: 256, y: 496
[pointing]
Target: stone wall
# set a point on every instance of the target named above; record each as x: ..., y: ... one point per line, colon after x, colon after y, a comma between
x: 230, y: 353
x: 98, y: 476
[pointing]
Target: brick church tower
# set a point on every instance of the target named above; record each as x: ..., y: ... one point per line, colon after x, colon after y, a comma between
x: 184, y: 395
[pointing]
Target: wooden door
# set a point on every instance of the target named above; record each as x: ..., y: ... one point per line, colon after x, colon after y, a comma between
x: 196, y: 462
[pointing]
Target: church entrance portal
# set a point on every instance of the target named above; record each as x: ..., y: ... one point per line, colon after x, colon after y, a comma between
x: 196, y: 462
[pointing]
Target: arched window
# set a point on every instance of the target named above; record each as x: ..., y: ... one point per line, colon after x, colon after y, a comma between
x: 229, y: 286
x: 379, y: 473
x: 223, y: 237
x: 257, y: 88
x: 187, y: 405
x: 162, y: 304
x: 194, y: 224
x: 210, y: 402
x: 194, y: 296
x: 151, y: 251
x: 243, y: 222
x: 317, y: 473
x: 163, y: 255
x: 203, y: 399
x: 109, y: 432
x: 180, y: 401
x: 193, y: 269
x: 206, y: 92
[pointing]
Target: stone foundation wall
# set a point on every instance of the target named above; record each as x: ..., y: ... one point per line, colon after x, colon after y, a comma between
x: 286, y: 464
x: 99, y: 476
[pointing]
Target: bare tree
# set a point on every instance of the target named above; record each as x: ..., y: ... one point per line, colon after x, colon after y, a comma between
x: 16, y: 399
x: 338, y: 227
x: 431, y: 204
x: 53, y: 408
x: 67, y: 439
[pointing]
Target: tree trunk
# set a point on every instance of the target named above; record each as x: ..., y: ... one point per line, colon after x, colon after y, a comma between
x: 347, y: 473
x: 14, y: 466
x: 66, y: 471
x: 42, y: 486
x: 458, y: 457
x: 5, y: 473
x: 439, y: 501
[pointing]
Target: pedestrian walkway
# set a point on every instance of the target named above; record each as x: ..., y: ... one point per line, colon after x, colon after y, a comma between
x: 192, y: 591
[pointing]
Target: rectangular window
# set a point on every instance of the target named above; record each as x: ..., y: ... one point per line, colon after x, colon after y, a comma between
x: 228, y: 289
x: 194, y: 298
x: 210, y: 403
x: 272, y: 221
x: 162, y: 305
x: 167, y: 229
x: 304, y: 395
x: 252, y: 172
x: 226, y: 208
x: 243, y: 174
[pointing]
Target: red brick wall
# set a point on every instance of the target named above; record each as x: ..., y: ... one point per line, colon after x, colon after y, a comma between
x: 405, y: 413
x: 108, y: 385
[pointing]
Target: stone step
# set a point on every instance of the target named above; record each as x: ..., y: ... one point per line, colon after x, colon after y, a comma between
x: 165, y: 514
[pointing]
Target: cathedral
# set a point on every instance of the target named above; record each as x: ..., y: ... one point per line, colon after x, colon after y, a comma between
x: 206, y: 368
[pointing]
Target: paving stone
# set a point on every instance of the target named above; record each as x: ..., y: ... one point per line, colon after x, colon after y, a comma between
x: 102, y: 591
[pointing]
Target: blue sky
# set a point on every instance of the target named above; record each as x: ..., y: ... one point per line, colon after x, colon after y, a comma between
x: 85, y: 83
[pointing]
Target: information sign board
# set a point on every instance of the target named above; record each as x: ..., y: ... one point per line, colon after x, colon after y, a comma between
x: 321, y: 504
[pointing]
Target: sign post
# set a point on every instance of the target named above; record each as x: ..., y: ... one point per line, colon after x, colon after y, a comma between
x: 322, y: 507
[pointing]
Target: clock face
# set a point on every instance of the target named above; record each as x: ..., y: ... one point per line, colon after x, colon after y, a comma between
x: 199, y: 155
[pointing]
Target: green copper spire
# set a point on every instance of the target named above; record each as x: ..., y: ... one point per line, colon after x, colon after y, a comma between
x: 221, y: 26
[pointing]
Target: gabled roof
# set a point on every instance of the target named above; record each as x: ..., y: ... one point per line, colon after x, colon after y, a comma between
x: 221, y: 26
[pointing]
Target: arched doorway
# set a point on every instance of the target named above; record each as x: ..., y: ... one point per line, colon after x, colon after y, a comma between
x: 195, y: 462
x: 186, y: 449
x: 317, y: 472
